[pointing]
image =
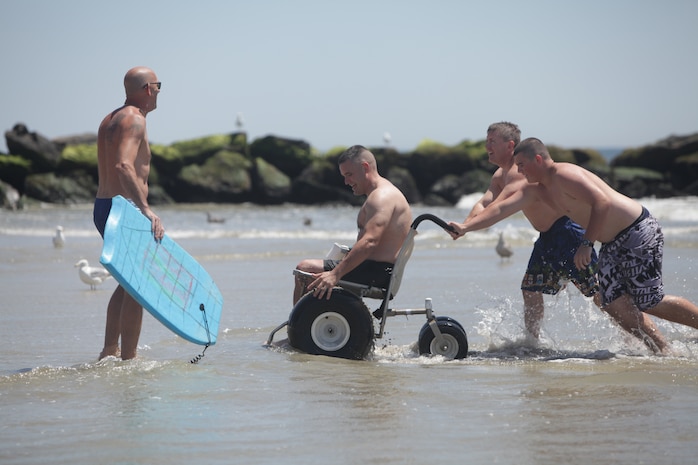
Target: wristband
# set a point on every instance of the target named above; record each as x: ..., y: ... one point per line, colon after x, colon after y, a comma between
x: 587, y: 243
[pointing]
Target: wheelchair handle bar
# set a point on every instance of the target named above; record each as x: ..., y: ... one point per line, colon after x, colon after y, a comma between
x: 432, y: 218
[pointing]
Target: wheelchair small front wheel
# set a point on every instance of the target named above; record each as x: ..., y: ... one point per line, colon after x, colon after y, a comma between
x: 453, y: 343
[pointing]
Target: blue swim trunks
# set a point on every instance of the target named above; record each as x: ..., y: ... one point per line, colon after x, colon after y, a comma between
x: 552, y: 261
x: 100, y: 214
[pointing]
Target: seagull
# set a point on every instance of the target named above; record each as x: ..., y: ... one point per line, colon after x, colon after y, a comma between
x: 91, y: 275
x: 59, y: 239
x: 503, y: 249
x: 214, y: 219
x: 387, y: 138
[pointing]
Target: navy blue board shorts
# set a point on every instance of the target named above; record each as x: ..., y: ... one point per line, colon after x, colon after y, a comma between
x: 552, y: 261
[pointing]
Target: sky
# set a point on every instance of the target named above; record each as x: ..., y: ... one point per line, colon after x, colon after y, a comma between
x: 578, y: 74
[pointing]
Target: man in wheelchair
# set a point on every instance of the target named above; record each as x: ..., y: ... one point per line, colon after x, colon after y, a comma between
x: 383, y: 221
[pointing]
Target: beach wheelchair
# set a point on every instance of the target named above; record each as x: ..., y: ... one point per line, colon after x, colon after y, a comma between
x: 343, y: 326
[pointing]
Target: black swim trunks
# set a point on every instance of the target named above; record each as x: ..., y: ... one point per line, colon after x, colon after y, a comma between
x: 100, y: 214
x: 632, y: 263
x: 552, y: 261
x: 369, y: 272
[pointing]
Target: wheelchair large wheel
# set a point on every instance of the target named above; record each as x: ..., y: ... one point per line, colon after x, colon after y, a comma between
x: 340, y: 327
x: 454, y: 343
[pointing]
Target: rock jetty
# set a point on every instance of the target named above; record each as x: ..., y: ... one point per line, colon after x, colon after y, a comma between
x: 227, y: 168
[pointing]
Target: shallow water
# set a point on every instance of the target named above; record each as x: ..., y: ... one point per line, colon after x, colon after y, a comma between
x: 589, y: 394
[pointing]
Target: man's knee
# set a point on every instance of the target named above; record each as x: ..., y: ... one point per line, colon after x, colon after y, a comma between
x: 532, y: 297
x: 305, y: 265
x: 310, y: 265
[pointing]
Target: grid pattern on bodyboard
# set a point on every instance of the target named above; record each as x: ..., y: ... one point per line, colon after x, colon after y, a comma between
x: 165, y: 277
x: 167, y: 284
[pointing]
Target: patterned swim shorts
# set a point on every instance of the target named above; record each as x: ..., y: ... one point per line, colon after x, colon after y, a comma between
x: 632, y: 264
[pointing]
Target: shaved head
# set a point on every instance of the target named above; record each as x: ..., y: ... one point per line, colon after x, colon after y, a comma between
x: 137, y: 78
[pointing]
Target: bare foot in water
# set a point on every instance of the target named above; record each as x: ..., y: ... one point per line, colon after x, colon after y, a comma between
x: 110, y: 352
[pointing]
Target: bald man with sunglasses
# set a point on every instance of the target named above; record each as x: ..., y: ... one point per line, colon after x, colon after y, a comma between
x: 123, y: 156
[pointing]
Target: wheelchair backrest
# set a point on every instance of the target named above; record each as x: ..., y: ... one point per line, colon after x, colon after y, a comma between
x: 403, y: 257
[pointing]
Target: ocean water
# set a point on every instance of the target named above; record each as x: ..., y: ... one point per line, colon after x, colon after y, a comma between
x: 588, y: 394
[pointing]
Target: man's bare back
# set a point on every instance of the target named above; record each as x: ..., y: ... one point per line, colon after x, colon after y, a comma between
x: 387, y: 208
x: 123, y: 150
x: 589, y: 201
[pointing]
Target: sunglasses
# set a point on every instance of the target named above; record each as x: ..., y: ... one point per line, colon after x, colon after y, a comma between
x: 157, y: 84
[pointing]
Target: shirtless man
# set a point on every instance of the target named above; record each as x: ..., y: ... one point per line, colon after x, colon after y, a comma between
x: 383, y: 221
x: 551, y: 260
x: 123, y: 165
x: 630, y: 259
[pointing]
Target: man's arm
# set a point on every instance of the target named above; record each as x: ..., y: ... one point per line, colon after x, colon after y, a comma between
x: 513, y: 198
x: 378, y: 210
x: 127, y: 148
x: 493, y: 191
x: 580, y: 187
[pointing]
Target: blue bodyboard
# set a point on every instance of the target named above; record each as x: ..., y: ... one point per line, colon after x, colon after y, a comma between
x: 161, y: 276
